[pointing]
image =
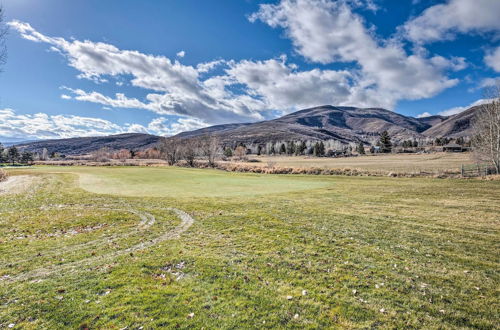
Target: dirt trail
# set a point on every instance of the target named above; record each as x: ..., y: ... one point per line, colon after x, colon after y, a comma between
x: 16, y: 184
x: 186, y: 222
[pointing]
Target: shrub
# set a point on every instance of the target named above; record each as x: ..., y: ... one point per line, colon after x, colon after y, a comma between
x: 3, y: 175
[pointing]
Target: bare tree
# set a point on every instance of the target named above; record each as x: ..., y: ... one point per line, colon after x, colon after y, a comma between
x: 486, y: 125
x: 210, y: 148
x: 240, y: 152
x: 3, y: 35
x: 190, y: 150
x: 170, y: 148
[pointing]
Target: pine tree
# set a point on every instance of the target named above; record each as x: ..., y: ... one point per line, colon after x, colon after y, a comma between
x: 228, y: 152
x: 26, y: 157
x: 259, y: 150
x: 13, y: 155
x: 385, y: 142
x: 321, y: 148
x: 282, y: 149
x: 361, y: 148
x: 2, y: 157
x: 272, y: 151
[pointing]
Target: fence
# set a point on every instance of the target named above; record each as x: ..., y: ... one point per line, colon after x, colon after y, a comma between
x: 477, y: 170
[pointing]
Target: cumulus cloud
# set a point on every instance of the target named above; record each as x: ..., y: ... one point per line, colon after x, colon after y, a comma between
x: 178, y: 88
x: 181, y: 54
x: 492, y: 59
x: 322, y: 31
x: 326, y: 31
x: 444, y: 21
x: 44, y: 126
x: 423, y: 115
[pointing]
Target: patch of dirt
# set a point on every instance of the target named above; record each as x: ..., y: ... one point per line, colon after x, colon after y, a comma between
x: 16, y: 184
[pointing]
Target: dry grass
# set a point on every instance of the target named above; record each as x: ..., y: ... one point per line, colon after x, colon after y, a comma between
x: 3, y: 175
x: 435, y: 163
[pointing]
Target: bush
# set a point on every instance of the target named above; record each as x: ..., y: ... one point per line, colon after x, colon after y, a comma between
x: 3, y: 175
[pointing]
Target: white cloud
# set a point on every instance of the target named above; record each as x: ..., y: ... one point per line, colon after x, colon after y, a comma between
x: 455, y: 110
x: 492, y: 59
x: 423, y: 115
x: 179, y: 87
x: 444, y: 21
x: 325, y: 31
x: 65, y: 97
x: 44, y: 126
x: 181, y: 54
x: 162, y: 125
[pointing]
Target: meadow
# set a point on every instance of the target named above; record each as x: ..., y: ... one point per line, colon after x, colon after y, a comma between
x: 432, y: 163
x: 94, y: 247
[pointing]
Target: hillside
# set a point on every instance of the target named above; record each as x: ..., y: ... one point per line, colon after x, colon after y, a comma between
x: 84, y: 145
x: 455, y: 126
x: 346, y: 124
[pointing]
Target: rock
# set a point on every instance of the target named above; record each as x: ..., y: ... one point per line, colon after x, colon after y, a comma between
x: 289, y: 297
x: 296, y: 317
x: 304, y: 292
x: 190, y: 315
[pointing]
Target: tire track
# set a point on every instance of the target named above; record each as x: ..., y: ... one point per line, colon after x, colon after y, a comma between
x: 186, y: 222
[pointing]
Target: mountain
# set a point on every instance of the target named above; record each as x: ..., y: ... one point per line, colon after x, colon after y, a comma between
x: 454, y: 126
x: 84, y: 145
x: 432, y: 120
x: 346, y: 124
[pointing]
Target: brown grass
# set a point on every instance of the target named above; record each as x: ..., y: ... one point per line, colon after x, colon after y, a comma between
x: 3, y: 175
x: 426, y: 164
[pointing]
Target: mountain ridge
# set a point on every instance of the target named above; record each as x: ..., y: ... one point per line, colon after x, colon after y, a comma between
x: 345, y: 124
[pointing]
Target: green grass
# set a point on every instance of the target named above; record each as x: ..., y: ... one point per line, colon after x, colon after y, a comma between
x: 369, y: 252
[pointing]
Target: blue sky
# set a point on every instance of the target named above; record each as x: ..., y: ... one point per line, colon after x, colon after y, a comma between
x: 93, y: 67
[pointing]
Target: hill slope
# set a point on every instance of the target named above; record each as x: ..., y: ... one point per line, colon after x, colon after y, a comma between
x: 346, y: 124
x: 455, y: 126
x: 84, y: 145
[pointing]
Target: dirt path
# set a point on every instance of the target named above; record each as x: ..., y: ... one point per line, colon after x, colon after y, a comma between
x: 16, y: 184
x: 186, y: 222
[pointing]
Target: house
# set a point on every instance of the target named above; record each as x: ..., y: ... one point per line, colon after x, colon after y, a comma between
x: 453, y: 147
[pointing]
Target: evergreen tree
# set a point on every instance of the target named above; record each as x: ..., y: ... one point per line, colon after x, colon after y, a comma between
x: 2, y: 156
x: 228, y: 152
x: 361, y: 148
x: 259, y: 150
x: 13, y: 155
x: 282, y: 149
x: 26, y: 157
x: 272, y: 151
x: 415, y: 143
x: 321, y: 148
x: 385, y: 142
x: 301, y: 148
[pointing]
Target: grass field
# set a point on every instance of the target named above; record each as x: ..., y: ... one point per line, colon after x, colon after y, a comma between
x: 399, y: 163
x: 103, y: 248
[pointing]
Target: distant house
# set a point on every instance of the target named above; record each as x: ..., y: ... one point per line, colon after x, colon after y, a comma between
x: 453, y: 147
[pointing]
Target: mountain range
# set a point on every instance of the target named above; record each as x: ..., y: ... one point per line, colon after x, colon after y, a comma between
x: 345, y: 124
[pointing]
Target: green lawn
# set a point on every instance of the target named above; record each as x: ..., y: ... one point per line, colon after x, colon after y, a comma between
x: 264, y: 251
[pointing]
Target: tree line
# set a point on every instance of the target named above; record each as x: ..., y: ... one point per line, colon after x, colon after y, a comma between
x: 13, y: 156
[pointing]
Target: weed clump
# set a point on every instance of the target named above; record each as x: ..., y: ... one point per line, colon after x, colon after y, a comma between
x: 3, y: 175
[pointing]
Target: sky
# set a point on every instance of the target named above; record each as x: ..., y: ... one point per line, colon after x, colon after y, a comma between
x: 93, y: 67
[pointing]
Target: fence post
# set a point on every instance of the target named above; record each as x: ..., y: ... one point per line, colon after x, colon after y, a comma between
x: 462, y: 170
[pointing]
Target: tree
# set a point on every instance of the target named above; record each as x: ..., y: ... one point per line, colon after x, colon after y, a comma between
x: 170, y: 149
x: 385, y: 142
x: 228, y: 152
x: 361, y: 148
x: 2, y: 157
x: 13, y: 155
x: 282, y: 149
x: 27, y: 157
x: 240, y: 152
x: 259, y: 150
x: 272, y: 151
x: 210, y: 148
x: 190, y: 151
x: 3, y: 34
x: 321, y: 149
x: 486, y: 128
